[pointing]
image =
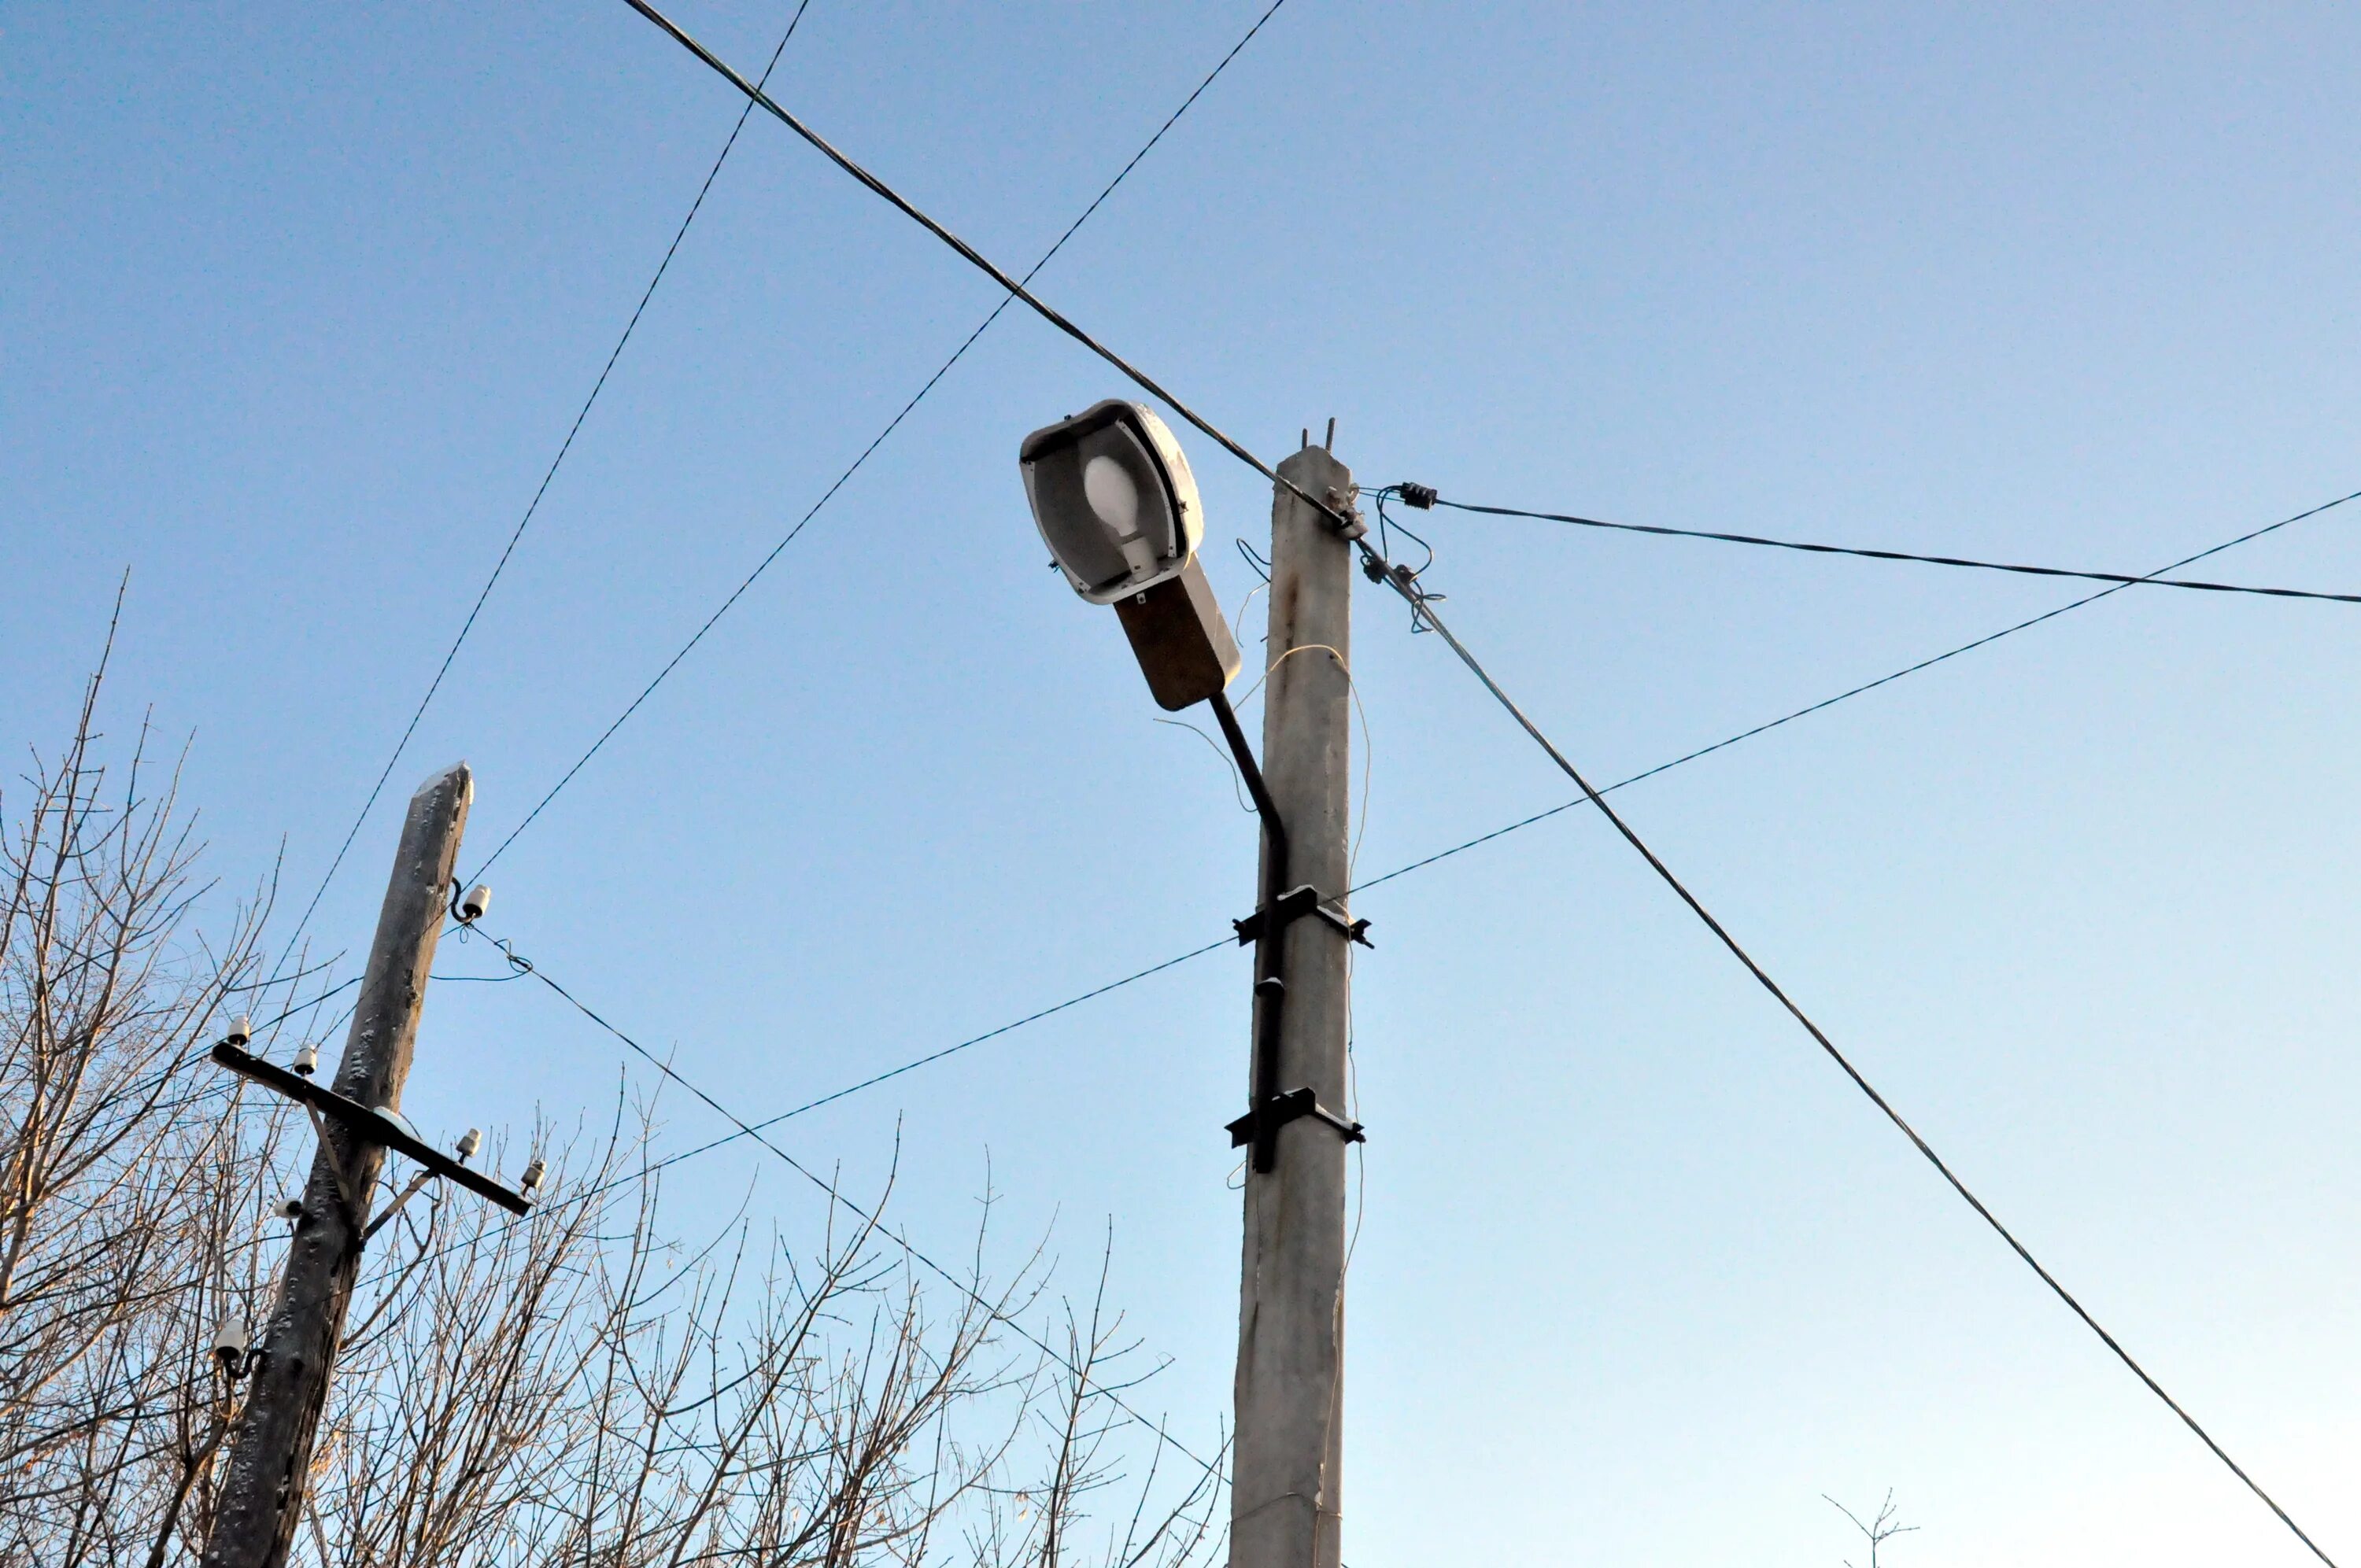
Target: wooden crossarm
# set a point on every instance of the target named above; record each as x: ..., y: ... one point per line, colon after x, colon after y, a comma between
x: 374, y: 1125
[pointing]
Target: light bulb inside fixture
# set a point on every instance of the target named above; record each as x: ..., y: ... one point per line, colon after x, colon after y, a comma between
x: 1112, y: 495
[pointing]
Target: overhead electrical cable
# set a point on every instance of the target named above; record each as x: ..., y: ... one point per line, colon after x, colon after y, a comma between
x: 879, y: 439
x: 1825, y: 703
x: 524, y: 966
x: 747, y: 1129
x: 2123, y: 579
x: 533, y: 506
x: 1422, y: 605
x: 1402, y: 871
x: 1334, y: 510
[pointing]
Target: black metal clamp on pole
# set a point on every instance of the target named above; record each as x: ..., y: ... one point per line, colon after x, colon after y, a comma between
x: 1292, y: 906
x: 1266, y: 928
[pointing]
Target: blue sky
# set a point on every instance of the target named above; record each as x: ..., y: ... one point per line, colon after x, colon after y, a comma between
x: 299, y: 303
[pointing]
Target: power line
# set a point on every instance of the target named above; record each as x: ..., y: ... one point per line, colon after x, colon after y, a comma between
x: 522, y: 966
x: 1420, y: 602
x: 879, y: 439
x: 2123, y: 579
x: 747, y: 1129
x: 1334, y: 509
x: 1825, y: 703
x: 533, y: 506
x: 1420, y: 605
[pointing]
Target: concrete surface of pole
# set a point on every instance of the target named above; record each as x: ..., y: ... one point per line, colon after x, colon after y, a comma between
x: 270, y: 1458
x: 1284, y: 1499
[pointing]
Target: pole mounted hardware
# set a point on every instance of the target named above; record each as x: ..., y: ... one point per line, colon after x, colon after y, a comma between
x: 364, y: 1121
x: 1292, y: 906
x: 468, y: 907
x: 1344, y: 516
x: 1277, y: 1111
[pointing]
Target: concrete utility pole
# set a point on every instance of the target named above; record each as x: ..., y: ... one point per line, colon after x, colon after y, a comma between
x: 1284, y: 1499
x: 270, y: 1463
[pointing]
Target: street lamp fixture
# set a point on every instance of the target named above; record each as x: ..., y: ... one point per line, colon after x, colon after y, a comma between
x: 1115, y: 503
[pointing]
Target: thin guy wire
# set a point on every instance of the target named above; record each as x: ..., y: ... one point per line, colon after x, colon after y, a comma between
x: 953, y: 1280
x: 2122, y: 579
x: 879, y: 439
x: 1856, y: 691
x: 1410, y: 592
x: 533, y: 506
x: 1591, y: 797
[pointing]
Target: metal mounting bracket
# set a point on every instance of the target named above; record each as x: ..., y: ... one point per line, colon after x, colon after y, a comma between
x: 1292, y: 906
x: 1280, y: 1109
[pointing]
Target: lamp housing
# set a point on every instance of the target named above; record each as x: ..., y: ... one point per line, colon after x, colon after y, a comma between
x: 1114, y: 498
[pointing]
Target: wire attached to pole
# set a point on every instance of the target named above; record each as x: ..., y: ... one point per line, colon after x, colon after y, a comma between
x: 2124, y: 579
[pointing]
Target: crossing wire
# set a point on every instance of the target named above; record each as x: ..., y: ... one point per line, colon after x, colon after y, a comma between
x: 533, y: 506
x: 1826, y: 703
x: 1333, y: 511
x: 747, y: 1129
x: 2122, y: 579
x: 879, y: 439
x: 522, y: 966
x: 1423, y: 606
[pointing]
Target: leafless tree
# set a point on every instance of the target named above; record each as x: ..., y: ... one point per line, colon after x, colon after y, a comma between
x: 1884, y: 1527
x: 125, y: 1178
x: 577, y: 1387
x: 575, y: 1390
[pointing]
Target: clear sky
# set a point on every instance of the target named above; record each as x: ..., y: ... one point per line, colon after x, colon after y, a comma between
x: 297, y: 303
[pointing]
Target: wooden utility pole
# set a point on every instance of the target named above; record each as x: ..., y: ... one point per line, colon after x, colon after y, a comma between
x: 270, y: 1461
x: 1284, y: 1498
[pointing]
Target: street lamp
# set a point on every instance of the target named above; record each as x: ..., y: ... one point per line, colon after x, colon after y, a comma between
x: 1114, y: 498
